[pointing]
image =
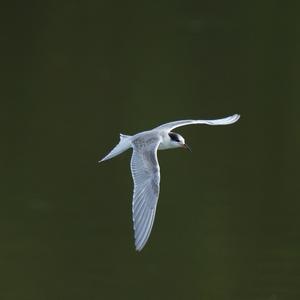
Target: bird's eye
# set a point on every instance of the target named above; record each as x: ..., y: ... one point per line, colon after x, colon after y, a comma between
x: 174, y: 137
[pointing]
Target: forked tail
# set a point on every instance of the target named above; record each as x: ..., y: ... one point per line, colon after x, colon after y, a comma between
x: 124, y: 144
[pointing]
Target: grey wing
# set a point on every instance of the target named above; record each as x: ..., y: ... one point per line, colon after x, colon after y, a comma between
x: 223, y: 121
x: 146, y: 177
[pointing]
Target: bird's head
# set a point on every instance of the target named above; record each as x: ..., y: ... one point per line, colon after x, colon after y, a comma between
x: 177, y: 141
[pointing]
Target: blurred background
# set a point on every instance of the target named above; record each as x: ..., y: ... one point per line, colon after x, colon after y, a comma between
x: 75, y: 75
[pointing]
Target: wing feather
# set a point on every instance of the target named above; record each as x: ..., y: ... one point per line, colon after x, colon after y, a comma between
x: 146, y: 177
x: 144, y: 235
x: 224, y: 121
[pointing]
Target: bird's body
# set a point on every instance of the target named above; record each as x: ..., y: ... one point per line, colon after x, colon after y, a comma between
x: 145, y: 168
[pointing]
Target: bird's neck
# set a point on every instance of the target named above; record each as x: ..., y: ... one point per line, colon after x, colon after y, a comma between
x: 166, y: 143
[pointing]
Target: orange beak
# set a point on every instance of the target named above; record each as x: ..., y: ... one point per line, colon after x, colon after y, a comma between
x: 186, y: 147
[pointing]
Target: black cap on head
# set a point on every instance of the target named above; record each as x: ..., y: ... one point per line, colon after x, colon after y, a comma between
x: 174, y: 137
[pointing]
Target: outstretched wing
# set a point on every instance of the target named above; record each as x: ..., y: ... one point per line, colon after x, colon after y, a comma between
x: 146, y: 177
x: 224, y: 121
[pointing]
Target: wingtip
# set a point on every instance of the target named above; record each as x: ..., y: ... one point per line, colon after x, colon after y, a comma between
x: 139, y: 243
x: 235, y: 118
x: 139, y: 248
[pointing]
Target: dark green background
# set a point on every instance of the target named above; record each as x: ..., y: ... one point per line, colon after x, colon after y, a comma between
x: 75, y: 75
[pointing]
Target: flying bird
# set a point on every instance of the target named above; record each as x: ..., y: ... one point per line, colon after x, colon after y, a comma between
x: 146, y: 171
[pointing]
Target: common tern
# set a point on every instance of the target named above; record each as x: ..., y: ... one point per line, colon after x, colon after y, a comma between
x: 145, y: 168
